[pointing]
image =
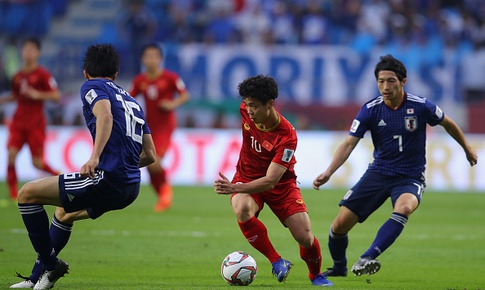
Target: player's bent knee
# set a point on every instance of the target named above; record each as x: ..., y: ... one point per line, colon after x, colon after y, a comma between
x: 26, y: 193
x: 306, y: 240
x: 243, y: 207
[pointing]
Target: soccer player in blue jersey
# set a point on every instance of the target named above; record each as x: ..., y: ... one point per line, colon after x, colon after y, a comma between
x: 397, y: 122
x: 109, y: 180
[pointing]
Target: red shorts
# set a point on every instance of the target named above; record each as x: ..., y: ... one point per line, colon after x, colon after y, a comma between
x: 33, y: 136
x: 284, y: 199
x: 161, y: 140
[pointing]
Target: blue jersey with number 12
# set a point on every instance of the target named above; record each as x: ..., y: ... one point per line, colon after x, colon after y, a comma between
x: 121, y: 155
x: 399, y: 136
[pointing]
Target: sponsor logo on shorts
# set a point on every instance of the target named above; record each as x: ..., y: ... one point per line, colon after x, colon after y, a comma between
x: 300, y: 201
x: 246, y: 126
x: 348, y: 194
x: 70, y: 196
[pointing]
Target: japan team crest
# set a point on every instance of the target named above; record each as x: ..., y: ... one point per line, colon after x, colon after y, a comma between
x: 411, y: 123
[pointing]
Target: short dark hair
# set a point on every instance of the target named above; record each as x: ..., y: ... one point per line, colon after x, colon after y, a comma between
x: 34, y: 40
x: 152, y: 45
x: 388, y: 62
x: 101, y: 60
x: 263, y: 88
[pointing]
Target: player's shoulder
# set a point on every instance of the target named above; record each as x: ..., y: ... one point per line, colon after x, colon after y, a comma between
x: 40, y: 70
x: 93, y: 84
x: 415, y: 99
x: 375, y: 102
x: 139, y: 77
x: 287, y: 127
x: 170, y: 73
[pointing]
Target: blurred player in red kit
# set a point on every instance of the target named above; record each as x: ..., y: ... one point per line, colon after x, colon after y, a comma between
x: 31, y: 86
x: 159, y: 87
x: 265, y: 175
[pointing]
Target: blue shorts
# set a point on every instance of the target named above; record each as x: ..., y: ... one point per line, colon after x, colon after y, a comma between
x: 373, y: 189
x: 97, y: 195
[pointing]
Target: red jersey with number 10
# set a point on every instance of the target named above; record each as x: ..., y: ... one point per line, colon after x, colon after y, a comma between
x: 261, y: 147
x: 155, y: 90
x: 30, y: 111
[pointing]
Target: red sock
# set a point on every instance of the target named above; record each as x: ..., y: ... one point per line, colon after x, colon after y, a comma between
x: 155, y: 181
x: 313, y: 258
x: 12, y: 181
x: 257, y: 235
x: 163, y: 176
x: 49, y: 170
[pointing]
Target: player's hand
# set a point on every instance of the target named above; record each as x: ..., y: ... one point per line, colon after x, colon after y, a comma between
x: 223, y: 185
x: 32, y: 93
x: 471, y: 156
x: 166, y: 105
x: 89, y: 168
x: 321, y: 180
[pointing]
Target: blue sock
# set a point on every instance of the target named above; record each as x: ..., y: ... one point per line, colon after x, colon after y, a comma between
x: 59, y: 233
x: 337, y: 244
x: 37, y: 225
x: 386, y: 235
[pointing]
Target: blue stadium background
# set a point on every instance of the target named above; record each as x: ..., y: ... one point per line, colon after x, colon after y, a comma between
x: 442, y: 42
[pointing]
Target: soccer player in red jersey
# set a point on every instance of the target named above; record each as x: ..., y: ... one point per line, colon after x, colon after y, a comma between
x: 265, y: 175
x: 31, y: 86
x: 159, y: 87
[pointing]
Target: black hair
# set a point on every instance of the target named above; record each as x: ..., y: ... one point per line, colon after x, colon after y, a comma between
x: 101, y: 60
x: 152, y: 45
x: 388, y: 62
x: 263, y: 88
x: 34, y: 40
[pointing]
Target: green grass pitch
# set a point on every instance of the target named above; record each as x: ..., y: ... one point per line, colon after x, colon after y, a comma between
x: 442, y: 246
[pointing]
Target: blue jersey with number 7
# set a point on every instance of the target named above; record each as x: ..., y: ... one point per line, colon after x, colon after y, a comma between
x: 121, y: 155
x: 398, y: 135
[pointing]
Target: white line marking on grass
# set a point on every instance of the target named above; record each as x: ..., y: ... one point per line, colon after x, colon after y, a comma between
x: 126, y: 233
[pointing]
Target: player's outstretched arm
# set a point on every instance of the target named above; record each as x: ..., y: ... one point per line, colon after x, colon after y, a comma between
x: 104, y: 125
x: 7, y: 99
x: 148, y: 152
x: 54, y: 95
x: 343, y: 152
x: 170, y: 105
x: 454, y: 131
x: 273, y: 175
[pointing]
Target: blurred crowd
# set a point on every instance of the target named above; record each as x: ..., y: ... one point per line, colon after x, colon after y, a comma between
x: 414, y: 30
x: 313, y: 21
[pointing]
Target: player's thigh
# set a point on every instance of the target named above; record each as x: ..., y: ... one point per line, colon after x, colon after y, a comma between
x: 41, y: 191
x: 367, y: 195
x: 406, y: 196
x: 345, y: 221
x: 71, y: 217
x: 17, y: 137
x: 299, y: 226
x: 36, y: 139
x: 162, y: 139
x: 243, y: 203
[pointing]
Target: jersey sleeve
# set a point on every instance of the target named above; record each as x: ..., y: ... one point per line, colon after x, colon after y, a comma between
x: 434, y: 113
x: 360, y: 124
x: 50, y: 82
x: 178, y: 83
x: 93, y: 94
x: 285, y: 153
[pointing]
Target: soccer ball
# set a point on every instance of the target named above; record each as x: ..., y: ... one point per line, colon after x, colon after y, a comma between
x: 239, y: 269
